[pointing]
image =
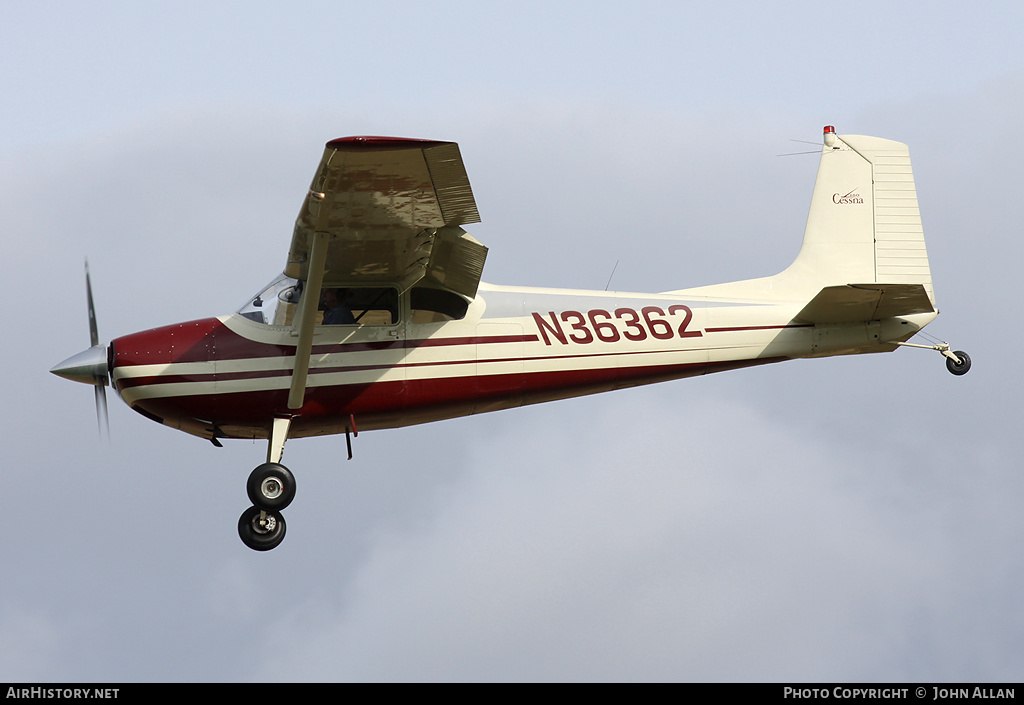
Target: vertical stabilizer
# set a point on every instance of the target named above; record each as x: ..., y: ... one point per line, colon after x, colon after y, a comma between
x: 863, y: 227
x: 839, y: 241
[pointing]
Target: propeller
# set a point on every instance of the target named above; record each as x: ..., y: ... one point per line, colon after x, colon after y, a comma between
x: 90, y: 366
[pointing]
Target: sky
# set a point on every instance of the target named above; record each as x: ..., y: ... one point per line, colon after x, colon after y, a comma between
x: 843, y: 519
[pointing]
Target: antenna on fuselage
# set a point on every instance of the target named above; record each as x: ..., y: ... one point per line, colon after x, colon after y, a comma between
x: 611, y: 275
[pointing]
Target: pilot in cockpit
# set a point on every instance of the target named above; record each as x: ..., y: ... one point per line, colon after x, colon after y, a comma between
x: 337, y: 310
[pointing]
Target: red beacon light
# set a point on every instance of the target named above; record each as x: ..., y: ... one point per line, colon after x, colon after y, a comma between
x: 830, y: 136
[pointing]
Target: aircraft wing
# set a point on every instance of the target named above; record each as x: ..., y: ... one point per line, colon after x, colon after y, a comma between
x: 389, y: 212
x: 382, y: 211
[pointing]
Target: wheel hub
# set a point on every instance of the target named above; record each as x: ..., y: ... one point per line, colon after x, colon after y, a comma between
x: 271, y: 487
x: 266, y: 525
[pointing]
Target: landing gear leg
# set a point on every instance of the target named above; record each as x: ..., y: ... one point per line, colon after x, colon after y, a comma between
x: 278, y: 435
x: 271, y: 488
x: 958, y: 362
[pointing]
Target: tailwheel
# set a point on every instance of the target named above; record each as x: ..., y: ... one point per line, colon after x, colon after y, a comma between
x: 271, y: 486
x: 261, y: 530
x: 960, y: 364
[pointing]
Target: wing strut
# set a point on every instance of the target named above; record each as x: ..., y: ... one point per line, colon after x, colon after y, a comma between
x: 307, y: 318
x: 350, y: 429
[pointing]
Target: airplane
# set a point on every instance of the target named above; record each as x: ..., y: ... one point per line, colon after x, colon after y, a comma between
x: 380, y: 320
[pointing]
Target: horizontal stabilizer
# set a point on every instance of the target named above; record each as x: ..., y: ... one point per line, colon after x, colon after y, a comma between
x: 865, y: 302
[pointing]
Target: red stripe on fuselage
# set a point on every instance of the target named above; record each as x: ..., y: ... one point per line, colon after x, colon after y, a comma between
x: 223, y: 376
x: 389, y: 403
x: 208, y: 339
x: 733, y: 329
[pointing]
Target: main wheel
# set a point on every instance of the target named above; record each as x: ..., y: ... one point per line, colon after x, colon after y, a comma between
x: 271, y: 486
x: 261, y: 537
x: 965, y: 363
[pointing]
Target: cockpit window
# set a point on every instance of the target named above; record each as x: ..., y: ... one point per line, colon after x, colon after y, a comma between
x: 275, y: 305
x: 355, y: 305
x: 362, y: 305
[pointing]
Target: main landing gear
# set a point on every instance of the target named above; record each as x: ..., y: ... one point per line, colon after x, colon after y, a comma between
x: 271, y: 488
x: 958, y: 362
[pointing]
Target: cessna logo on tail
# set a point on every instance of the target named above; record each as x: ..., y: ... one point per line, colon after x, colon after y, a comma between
x: 851, y: 197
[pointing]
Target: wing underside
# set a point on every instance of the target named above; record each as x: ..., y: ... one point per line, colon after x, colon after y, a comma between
x: 390, y: 211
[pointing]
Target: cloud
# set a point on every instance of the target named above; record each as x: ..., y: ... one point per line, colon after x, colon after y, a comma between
x: 31, y: 645
x: 728, y: 546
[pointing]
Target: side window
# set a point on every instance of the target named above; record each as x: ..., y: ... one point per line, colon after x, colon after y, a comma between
x: 436, y: 305
x: 362, y: 305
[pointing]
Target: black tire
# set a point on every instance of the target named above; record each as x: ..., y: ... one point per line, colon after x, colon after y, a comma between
x: 965, y: 363
x: 261, y: 538
x: 271, y: 486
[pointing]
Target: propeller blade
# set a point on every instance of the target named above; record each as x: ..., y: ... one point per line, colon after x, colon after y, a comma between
x: 91, y: 366
x: 102, y: 419
x: 94, y: 335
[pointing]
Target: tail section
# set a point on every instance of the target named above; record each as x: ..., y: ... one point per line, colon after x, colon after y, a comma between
x: 863, y: 228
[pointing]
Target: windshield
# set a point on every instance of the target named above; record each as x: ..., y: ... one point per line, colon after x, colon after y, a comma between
x: 275, y: 305
x: 352, y: 305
